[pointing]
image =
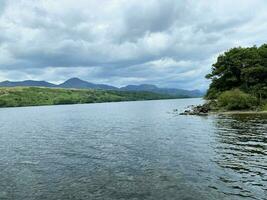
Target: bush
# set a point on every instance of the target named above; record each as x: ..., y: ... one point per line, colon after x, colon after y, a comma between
x: 212, y: 93
x: 3, y: 103
x: 236, y: 100
x: 264, y: 106
x: 65, y: 100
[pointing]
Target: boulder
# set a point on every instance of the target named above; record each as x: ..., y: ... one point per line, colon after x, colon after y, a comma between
x: 201, y: 110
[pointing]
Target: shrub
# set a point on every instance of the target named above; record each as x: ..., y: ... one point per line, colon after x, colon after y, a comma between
x: 65, y: 100
x: 3, y: 103
x: 236, y: 100
x: 264, y: 106
x: 212, y: 93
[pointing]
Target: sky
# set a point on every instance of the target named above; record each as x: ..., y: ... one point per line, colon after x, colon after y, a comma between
x: 170, y: 43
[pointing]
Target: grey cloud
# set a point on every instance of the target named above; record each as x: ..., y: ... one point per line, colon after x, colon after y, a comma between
x: 154, y: 16
x: 124, y: 42
x: 2, y: 6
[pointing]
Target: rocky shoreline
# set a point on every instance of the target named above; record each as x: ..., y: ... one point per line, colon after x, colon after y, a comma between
x: 210, y: 108
x: 201, y: 110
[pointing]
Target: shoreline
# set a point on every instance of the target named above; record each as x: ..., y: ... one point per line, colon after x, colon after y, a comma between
x: 236, y: 112
x: 70, y: 104
x: 206, y: 109
x: 239, y: 112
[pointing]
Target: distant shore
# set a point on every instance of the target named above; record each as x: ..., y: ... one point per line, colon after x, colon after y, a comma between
x: 43, y: 96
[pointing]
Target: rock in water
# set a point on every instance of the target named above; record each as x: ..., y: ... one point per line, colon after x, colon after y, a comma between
x: 201, y: 110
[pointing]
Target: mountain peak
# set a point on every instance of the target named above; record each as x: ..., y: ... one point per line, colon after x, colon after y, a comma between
x: 74, y: 79
x: 75, y: 83
x: 78, y: 83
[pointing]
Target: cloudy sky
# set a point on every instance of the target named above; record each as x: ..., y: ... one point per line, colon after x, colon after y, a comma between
x: 164, y: 42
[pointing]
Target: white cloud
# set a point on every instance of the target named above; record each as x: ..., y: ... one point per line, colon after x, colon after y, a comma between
x: 165, y: 42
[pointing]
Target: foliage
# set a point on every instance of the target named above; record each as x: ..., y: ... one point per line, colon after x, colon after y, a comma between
x: 236, y: 100
x: 264, y: 105
x: 243, y: 68
x: 33, y: 96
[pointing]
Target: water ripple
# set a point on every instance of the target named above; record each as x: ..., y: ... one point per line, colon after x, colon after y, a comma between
x: 131, y: 150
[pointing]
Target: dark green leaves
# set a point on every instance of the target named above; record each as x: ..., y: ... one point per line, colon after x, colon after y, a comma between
x: 243, y: 68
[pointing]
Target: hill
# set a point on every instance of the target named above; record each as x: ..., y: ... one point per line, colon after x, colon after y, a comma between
x: 81, y: 84
x: 168, y: 91
x: 27, y: 83
x: 36, y: 96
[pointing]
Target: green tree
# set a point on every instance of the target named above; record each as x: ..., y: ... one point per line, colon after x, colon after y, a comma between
x: 242, y: 68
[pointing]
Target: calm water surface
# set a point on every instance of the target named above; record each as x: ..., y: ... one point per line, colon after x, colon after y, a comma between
x: 131, y: 150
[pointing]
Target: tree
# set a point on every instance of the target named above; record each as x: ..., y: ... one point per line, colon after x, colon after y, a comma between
x: 242, y: 68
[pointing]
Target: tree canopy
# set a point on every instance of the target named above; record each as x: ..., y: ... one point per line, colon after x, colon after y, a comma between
x: 241, y: 68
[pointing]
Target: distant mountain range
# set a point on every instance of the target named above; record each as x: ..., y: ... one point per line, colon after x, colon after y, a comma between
x: 26, y: 83
x: 81, y: 84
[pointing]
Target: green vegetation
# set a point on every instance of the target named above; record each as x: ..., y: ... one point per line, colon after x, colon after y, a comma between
x: 264, y: 106
x: 239, y: 79
x: 236, y: 100
x: 35, y: 96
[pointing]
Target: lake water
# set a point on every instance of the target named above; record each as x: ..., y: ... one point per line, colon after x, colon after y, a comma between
x: 131, y: 150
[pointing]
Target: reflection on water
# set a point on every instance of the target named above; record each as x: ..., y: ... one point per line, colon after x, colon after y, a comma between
x: 241, y: 147
x: 130, y: 150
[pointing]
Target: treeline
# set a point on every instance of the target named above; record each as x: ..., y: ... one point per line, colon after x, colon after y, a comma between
x: 239, y: 78
x: 36, y: 96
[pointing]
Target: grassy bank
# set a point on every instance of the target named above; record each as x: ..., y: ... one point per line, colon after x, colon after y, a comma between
x: 36, y: 96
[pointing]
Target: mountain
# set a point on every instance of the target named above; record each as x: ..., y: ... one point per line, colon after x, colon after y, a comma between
x: 81, y: 84
x: 142, y: 87
x: 169, y: 91
x: 26, y: 83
